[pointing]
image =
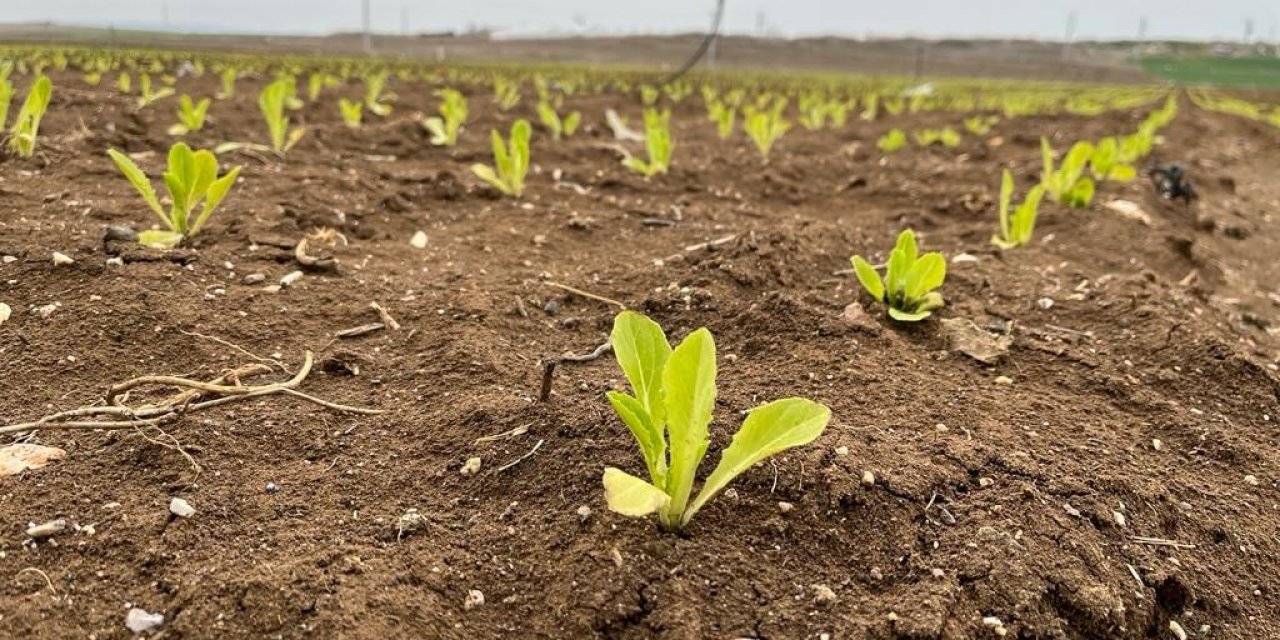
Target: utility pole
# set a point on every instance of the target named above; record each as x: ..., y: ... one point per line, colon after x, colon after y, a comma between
x: 366, y: 39
x: 1072, y: 18
x: 1142, y: 29
x: 404, y: 20
x: 1248, y: 30
x: 164, y: 15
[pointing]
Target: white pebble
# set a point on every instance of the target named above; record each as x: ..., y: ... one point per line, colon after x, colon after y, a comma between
x: 419, y: 240
x: 475, y: 598
x: 785, y: 507
x: 60, y: 259
x: 181, y: 508
x: 842, y: 450
x: 290, y: 278
x: 868, y: 478
x: 1251, y: 479
x: 5, y: 312
x: 1157, y: 444
x: 140, y: 621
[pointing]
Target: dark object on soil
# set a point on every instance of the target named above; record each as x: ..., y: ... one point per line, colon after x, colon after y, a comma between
x: 1172, y: 182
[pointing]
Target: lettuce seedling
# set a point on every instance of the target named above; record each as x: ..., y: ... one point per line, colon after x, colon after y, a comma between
x: 374, y: 98
x: 813, y: 111
x: 453, y: 114
x: 872, y: 109
x: 192, y: 178
x: 148, y: 95
x: 892, y: 141
x: 1017, y: 227
x: 765, y: 127
x: 980, y: 125
x: 554, y: 123
x: 352, y: 112
x: 191, y: 115
x: 124, y: 82
x: 724, y: 116
x: 26, y: 126
x: 506, y: 93
x: 1106, y: 164
x: 657, y: 141
x: 945, y: 136
x: 511, y: 163
x: 907, y: 289
x: 227, y: 82
x: 272, y: 102
x: 1068, y: 184
x: 6, y: 97
x: 669, y: 411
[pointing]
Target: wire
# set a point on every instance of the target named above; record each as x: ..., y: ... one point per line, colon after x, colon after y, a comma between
x: 702, y: 48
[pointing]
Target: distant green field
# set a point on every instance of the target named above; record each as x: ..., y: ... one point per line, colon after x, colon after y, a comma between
x: 1226, y: 72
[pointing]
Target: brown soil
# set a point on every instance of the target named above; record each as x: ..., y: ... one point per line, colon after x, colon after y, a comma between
x: 990, y: 499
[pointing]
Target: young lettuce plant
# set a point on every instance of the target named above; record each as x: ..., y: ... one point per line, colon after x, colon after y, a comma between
x: 723, y: 115
x: 272, y: 102
x: 352, y: 112
x: 511, y: 163
x: 892, y: 141
x: 1068, y: 184
x: 657, y: 141
x: 1106, y: 163
x: 6, y: 97
x: 374, y: 97
x: 765, y: 127
x: 907, y: 289
x: 453, y: 114
x: 1017, y: 227
x: 506, y: 93
x: 554, y: 123
x: 192, y: 178
x: 227, y: 83
x: 191, y: 115
x: 674, y: 392
x: 26, y: 126
x: 148, y: 95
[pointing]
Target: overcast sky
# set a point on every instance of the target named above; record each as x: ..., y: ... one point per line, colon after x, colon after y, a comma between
x: 1105, y: 19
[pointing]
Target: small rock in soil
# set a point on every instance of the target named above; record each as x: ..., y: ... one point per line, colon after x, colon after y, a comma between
x: 1249, y: 479
x: 15, y: 459
x: 868, y: 479
x: 584, y: 512
x: 842, y: 450
x: 290, y: 278
x: 858, y: 317
x: 822, y: 594
x: 1005, y: 380
x: 785, y: 507
x: 552, y: 308
x: 254, y: 278
x: 47, y: 529
x: 475, y: 598
x: 60, y: 259
x: 181, y: 508
x: 272, y: 487
x: 141, y: 621
x: 471, y: 467
x: 419, y: 240
x: 119, y: 233
x: 971, y: 340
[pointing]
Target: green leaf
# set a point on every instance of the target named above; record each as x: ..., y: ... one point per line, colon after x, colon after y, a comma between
x: 1006, y: 195
x: 159, y: 239
x: 768, y: 430
x: 642, y: 350
x: 631, y: 496
x: 213, y: 197
x: 486, y: 173
x: 906, y: 316
x: 927, y: 274
x: 689, y: 394
x: 869, y: 278
x: 140, y: 182
x: 648, y: 433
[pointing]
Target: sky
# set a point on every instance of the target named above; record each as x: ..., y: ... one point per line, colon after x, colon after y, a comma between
x: 1044, y: 19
